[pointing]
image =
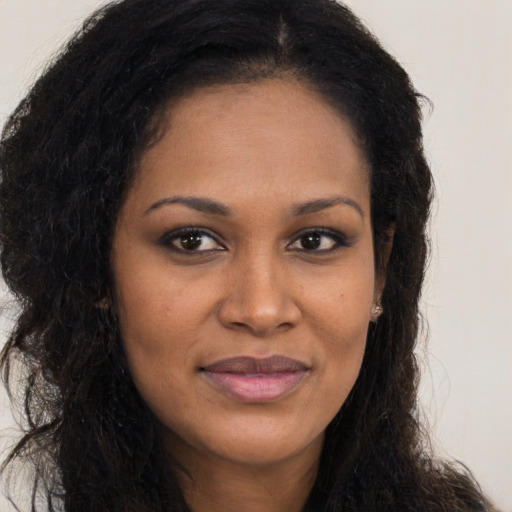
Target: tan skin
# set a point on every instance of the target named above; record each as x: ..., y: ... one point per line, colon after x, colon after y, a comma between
x: 281, y: 273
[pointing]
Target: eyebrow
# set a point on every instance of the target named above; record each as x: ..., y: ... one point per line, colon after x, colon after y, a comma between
x: 211, y: 207
x: 322, y: 204
x: 196, y: 203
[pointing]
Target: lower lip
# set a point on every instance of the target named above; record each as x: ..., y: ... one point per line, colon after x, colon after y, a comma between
x: 255, y: 388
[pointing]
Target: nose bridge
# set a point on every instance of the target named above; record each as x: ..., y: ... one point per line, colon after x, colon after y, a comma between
x: 259, y: 296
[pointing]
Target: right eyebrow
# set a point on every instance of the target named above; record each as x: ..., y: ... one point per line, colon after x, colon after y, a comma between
x: 317, y: 205
x: 200, y: 204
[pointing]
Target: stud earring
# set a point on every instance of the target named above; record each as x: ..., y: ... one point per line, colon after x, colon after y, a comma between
x: 104, y: 303
x: 376, y: 311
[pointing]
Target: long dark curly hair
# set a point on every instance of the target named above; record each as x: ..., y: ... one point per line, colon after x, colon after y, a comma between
x: 68, y: 154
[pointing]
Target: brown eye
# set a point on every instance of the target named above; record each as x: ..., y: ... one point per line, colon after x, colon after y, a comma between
x: 192, y: 240
x: 319, y: 240
x: 311, y: 241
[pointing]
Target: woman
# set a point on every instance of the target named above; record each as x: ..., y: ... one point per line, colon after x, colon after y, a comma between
x: 213, y: 216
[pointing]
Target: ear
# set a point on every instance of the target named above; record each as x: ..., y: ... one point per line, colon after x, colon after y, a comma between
x: 385, y: 248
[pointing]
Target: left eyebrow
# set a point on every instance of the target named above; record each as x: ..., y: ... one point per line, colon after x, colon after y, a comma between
x: 317, y: 205
x: 201, y: 204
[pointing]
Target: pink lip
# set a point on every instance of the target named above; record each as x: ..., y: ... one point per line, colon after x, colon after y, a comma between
x: 256, y: 380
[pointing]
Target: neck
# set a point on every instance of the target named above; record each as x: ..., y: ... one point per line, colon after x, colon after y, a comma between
x: 215, y: 484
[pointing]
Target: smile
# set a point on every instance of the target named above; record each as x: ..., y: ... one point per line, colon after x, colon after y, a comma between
x: 255, y: 380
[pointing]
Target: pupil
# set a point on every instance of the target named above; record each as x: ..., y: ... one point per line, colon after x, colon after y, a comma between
x: 311, y: 241
x: 190, y: 241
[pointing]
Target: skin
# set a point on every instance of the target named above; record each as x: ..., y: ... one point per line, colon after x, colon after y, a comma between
x: 250, y: 288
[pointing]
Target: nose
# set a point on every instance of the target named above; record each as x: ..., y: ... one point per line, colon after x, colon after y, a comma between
x: 259, y: 299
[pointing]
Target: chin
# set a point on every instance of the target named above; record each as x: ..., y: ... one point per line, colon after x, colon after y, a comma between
x: 253, y: 439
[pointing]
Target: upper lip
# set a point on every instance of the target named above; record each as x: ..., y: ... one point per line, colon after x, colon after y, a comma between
x: 252, y: 365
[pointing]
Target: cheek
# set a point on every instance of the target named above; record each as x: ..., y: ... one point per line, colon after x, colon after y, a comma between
x: 343, y: 351
x: 339, y: 319
x: 156, y: 302
x: 338, y: 304
x: 159, y: 323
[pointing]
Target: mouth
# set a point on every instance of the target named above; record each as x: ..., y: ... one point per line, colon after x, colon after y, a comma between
x: 255, y: 380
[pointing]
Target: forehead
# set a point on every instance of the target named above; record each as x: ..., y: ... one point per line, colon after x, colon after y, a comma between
x: 268, y: 138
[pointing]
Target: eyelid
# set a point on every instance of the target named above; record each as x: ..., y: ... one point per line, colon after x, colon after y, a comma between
x: 170, y: 236
x: 340, y: 239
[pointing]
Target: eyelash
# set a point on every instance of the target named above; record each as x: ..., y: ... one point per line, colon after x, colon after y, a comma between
x: 169, y: 238
x: 338, y: 238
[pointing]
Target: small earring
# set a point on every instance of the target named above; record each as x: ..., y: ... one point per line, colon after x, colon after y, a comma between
x: 104, y: 303
x: 376, y: 312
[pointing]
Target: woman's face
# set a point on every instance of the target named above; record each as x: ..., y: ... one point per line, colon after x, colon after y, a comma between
x: 244, y: 274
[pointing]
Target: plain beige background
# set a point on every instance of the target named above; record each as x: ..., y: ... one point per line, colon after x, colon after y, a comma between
x: 459, y: 53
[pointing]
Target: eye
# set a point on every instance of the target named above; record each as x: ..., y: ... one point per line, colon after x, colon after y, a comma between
x: 192, y: 240
x: 319, y: 240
